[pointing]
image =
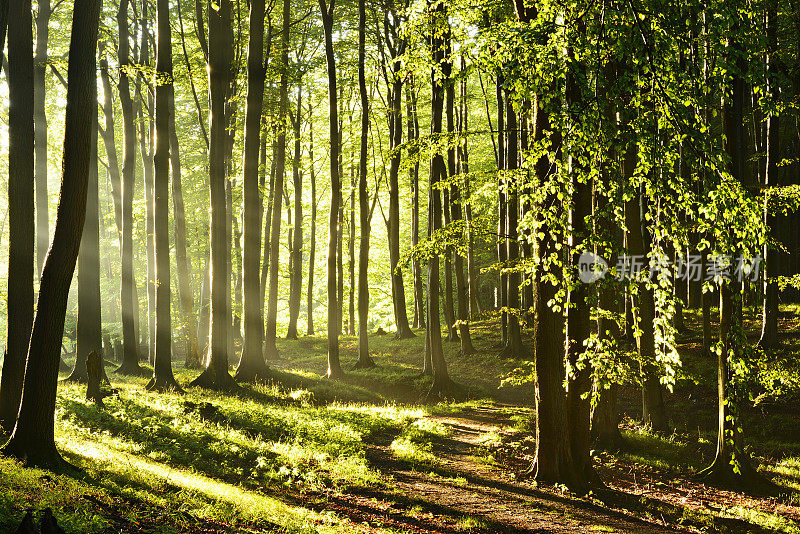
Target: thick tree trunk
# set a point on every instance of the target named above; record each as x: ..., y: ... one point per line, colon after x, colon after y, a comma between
x: 334, y: 367
x: 216, y: 375
x: 89, y: 331
x: 251, y: 364
x: 553, y: 462
x: 40, y: 132
x: 163, y: 378
x: 364, y: 359
x: 20, y: 208
x: 128, y: 291
x: 32, y: 441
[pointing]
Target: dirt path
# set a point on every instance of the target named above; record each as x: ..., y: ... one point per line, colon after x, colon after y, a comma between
x: 463, y: 495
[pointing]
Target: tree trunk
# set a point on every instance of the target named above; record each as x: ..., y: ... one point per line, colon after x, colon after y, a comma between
x: 251, y: 364
x: 128, y: 291
x: 463, y: 157
x: 216, y: 374
x: 442, y: 386
x: 89, y: 334
x: 364, y: 359
x: 20, y: 208
x: 653, y: 413
x: 109, y: 140
x: 40, y: 132
x: 296, y: 273
x: 312, y: 250
x: 193, y: 358
x: 403, y: 331
x: 416, y: 267
x: 32, y: 441
x: 502, y: 208
x: 271, y: 349
x: 334, y: 367
x: 163, y: 378
x: 146, y: 147
x: 769, y: 308
x: 455, y: 214
x: 513, y: 347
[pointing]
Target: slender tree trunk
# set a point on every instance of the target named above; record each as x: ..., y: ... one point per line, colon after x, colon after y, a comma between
x: 203, y: 325
x: 416, y: 267
x: 364, y: 359
x: 192, y: 360
x: 514, y: 347
x: 128, y: 290
x: 463, y: 157
x: 455, y: 215
x: 216, y: 374
x: 653, y: 412
x: 403, y: 331
x: 312, y: 251
x: 40, y: 132
x: 502, y: 204
x: 271, y: 349
x: 146, y: 147
x: 449, y: 305
x: 296, y: 273
x: 251, y: 364
x: 20, y: 208
x: 33, y: 441
x: 334, y: 367
x: 109, y: 140
x: 769, y: 308
x: 442, y: 384
x: 163, y: 378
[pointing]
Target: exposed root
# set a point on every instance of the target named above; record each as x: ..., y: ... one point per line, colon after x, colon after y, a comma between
x: 364, y: 363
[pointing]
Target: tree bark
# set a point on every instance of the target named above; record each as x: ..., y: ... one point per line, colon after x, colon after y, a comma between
x: 416, y: 267
x: 296, y: 273
x: 364, y: 359
x: 40, y: 132
x: 20, y: 208
x: 334, y: 367
x: 216, y: 374
x: 109, y: 140
x: 128, y: 291
x: 163, y: 378
x: 89, y: 331
x: 312, y: 251
x: 251, y: 364
x: 455, y: 212
x: 271, y: 349
x: 442, y: 384
x: 192, y: 356
x: 32, y: 441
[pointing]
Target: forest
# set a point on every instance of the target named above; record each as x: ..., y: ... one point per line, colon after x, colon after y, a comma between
x: 388, y: 266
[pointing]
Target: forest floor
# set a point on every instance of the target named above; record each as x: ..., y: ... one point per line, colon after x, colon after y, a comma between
x: 301, y: 453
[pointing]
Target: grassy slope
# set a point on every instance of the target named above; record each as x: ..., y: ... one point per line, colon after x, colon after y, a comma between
x: 165, y: 462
